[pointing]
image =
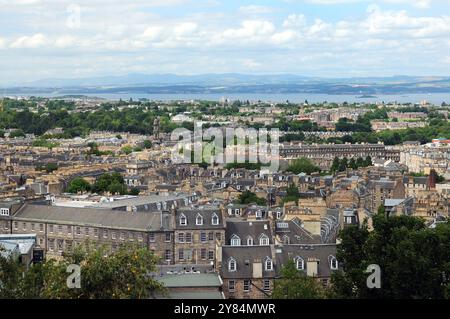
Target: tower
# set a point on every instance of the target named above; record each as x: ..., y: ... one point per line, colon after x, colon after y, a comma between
x: 156, y: 128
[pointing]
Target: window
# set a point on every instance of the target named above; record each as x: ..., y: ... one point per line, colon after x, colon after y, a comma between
x: 86, y: 231
x: 105, y: 233
x: 188, y: 237
x: 266, y: 286
x: 286, y: 240
x: 188, y: 254
x: 50, y: 228
x: 268, y: 264
x: 203, y: 253
x: 263, y: 240
x: 333, y: 263
x: 51, y: 244
x: 258, y: 214
x: 151, y: 237
x: 95, y: 232
x: 181, y: 254
x: 130, y: 236
x: 215, y: 219
x: 168, y: 237
x: 113, y: 235
x: 24, y: 226
x: 299, y: 263
x: 168, y: 255
x: 60, y: 229
x: 211, y: 255
x: 183, y: 220
x: 247, y: 285
x: 249, y: 241
x: 203, y: 237
x: 232, y: 264
x: 32, y: 226
x: 181, y: 237
x: 211, y: 236
x: 60, y: 245
x: 231, y: 286
x: 69, y: 229
x: 140, y: 237
x: 41, y: 228
x: 122, y: 235
x: 16, y: 225
x: 78, y: 230
x: 235, y: 240
x: 199, y: 220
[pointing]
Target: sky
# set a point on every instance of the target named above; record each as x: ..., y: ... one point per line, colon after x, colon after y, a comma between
x: 42, y: 39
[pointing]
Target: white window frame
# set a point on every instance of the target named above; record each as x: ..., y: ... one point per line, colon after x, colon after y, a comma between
x: 262, y: 239
x: 268, y: 262
x: 250, y: 241
x: 299, y: 261
x: 235, y: 240
x: 232, y: 265
x: 215, y: 219
x: 199, y: 220
x: 334, y: 265
x: 183, y: 220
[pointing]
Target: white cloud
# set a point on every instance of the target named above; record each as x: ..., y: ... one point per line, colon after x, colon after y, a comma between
x: 30, y: 42
x: 254, y: 9
x: 185, y: 29
x: 294, y: 21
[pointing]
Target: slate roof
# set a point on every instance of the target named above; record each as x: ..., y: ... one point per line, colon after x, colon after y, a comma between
x: 245, y: 256
x: 321, y: 252
x: 295, y: 233
x: 93, y: 217
x: 206, y: 212
x: 244, y: 229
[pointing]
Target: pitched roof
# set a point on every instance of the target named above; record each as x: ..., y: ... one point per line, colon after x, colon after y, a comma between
x: 93, y: 217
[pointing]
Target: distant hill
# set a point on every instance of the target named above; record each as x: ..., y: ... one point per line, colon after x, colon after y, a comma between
x: 235, y: 83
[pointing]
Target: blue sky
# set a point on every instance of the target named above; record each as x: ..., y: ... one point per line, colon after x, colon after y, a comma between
x: 330, y: 38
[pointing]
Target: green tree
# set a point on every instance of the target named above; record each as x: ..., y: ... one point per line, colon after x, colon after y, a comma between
x: 123, y: 274
x: 77, y: 185
x: 292, y: 194
x: 368, y: 161
x: 294, y: 284
x: 335, y: 165
x: 147, y: 144
x: 248, y: 197
x: 127, y: 149
x: 302, y: 165
x: 352, y: 164
x: 414, y: 259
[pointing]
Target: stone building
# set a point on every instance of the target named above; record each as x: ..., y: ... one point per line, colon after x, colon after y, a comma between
x: 197, y: 232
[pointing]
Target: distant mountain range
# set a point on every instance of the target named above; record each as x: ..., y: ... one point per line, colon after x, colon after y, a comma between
x: 136, y: 83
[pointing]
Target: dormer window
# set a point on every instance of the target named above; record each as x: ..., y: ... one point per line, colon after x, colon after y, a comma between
x: 333, y: 263
x: 258, y: 214
x: 299, y: 263
x: 264, y: 240
x: 232, y: 264
x: 235, y: 240
x: 199, y: 220
x: 183, y: 220
x: 249, y: 241
x: 286, y: 240
x: 268, y: 264
x: 215, y: 219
